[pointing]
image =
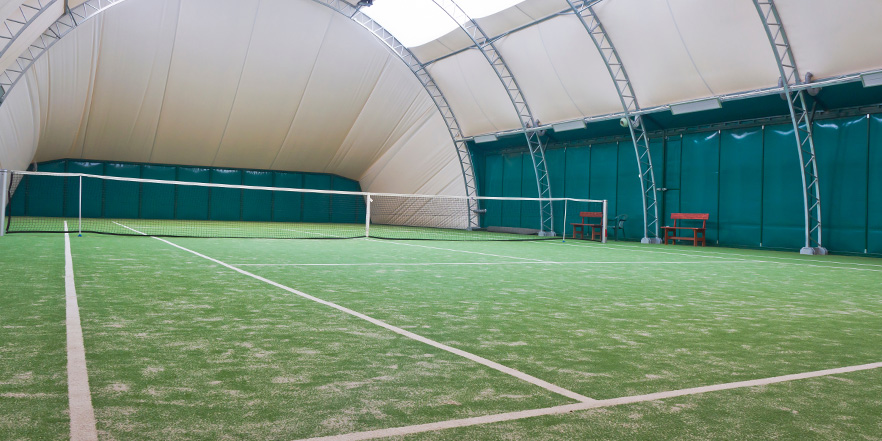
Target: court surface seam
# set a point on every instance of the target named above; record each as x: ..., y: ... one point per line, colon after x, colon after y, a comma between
x: 82, y: 415
x: 511, y: 416
x: 476, y: 358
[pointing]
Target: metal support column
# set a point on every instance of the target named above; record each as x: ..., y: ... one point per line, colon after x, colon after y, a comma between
x: 585, y: 12
x: 418, y: 69
x: 802, y: 117
x: 528, y: 122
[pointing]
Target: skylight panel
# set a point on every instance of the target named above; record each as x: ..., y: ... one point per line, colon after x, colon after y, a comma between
x: 417, y: 22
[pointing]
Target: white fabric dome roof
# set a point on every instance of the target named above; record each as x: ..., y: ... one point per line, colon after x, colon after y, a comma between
x: 294, y: 85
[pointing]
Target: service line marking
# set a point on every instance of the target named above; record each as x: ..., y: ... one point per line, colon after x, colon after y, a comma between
x: 476, y: 358
x: 511, y: 416
x: 82, y: 415
x: 456, y: 251
x: 629, y: 262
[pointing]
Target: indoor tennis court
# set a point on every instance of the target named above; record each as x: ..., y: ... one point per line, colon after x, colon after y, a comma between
x: 512, y: 220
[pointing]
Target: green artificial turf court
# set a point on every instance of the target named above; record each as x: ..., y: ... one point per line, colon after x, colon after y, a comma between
x: 180, y: 345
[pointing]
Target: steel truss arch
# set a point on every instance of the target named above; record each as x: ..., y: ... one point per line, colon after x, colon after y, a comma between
x: 70, y: 20
x: 585, y: 12
x: 76, y: 16
x: 428, y: 83
x: 802, y: 118
x: 15, y: 25
x: 525, y: 116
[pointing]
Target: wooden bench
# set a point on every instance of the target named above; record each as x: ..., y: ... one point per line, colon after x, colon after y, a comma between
x: 596, y: 228
x: 670, y: 232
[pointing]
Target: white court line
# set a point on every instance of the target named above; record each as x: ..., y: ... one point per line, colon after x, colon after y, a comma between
x: 629, y: 262
x: 458, y: 251
x: 477, y: 359
x: 510, y: 416
x: 313, y: 232
x: 82, y: 415
x: 721, y: 256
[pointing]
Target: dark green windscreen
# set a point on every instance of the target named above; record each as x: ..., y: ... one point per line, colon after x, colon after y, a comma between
x: 746, y: 179
x: 131, y: 200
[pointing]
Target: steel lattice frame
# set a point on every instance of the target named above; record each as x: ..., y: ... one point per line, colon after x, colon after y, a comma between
x: 585, y: 11
x: 69, y: 21
x: 801, y: 117
x: 528, y: 123
x: 13, y: 26
x: 462, y: 150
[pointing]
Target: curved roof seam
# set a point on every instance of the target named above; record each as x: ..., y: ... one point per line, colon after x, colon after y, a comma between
x: 238, y: 83
x: 90, y: 93
x: 306, y: 86
x: 171, y: 57
x: 686, y: 47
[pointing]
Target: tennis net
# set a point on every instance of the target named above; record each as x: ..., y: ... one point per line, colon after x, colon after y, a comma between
x: 42, y: 202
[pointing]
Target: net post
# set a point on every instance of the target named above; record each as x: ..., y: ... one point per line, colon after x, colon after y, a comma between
x: 4, y: 185
x: 604, y: 223
x: 367, y: 217
x: 563, y: 237
x: 80, y: 214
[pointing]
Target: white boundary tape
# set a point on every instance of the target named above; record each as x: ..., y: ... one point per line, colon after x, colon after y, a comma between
x: 510, y: 416
x: 629, y: 262
x: 82, y: 415
x: 477, y: 359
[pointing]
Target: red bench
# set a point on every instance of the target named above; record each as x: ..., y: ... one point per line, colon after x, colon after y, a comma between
x: 596, y: 228
x: 670, y: 232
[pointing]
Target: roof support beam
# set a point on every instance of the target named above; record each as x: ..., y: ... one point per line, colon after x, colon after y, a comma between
x: 802, y: 118
x: 406, y: 56
x: 585, y: 12
x: 525, y: 116
x: 66, y: 23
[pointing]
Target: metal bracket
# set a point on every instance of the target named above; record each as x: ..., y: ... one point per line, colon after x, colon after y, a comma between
x: 801, y: 117
x: 585, y: 12
x: 537, y: 152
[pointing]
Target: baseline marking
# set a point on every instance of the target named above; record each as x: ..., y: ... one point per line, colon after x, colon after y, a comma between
x: 457, y: 251
x: 510, y: 416
x: 488, y: 263
x: 721, y: 256
x: 82, y: 415
x: 477, y: 359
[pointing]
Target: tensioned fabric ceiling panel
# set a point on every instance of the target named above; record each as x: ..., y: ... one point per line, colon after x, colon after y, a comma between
x: 207, y: 62
x: 130, y: 80
x: 475, y: 93
x: 727, y: 42
x: 274, y: 79
x: 833, y: 38
x: 649, y: 46
x: 560, y: 70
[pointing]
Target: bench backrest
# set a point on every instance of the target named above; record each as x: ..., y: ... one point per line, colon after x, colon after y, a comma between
x: 690, y: 216
x: 589, y: 214
x: 703, y: 217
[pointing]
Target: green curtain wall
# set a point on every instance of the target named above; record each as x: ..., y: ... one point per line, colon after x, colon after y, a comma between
x: 47, y: 196
x: 747, y: 179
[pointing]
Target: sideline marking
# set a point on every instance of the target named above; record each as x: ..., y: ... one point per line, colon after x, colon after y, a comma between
x: 478, y: 359
x: 510, y: 416
x: 457, y: 251
x: 488, y: 263
x: 82, y: 415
